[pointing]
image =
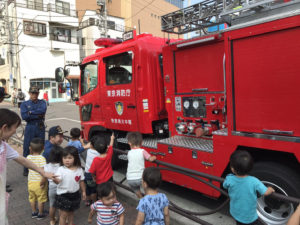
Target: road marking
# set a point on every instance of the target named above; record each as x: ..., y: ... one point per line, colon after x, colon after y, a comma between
x: 63, y: 118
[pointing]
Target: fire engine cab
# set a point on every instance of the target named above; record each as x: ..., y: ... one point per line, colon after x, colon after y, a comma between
x: 196, y: 101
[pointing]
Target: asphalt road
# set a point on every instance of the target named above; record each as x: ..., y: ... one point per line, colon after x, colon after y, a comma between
x: 67, y: 116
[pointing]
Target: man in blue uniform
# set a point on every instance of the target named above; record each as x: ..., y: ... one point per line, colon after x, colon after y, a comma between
x: 33, y: 112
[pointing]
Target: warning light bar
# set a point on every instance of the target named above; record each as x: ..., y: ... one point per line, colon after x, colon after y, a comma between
x: 107, y: 42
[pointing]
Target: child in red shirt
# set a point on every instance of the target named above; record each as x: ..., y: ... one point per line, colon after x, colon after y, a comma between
x: 101, y: 169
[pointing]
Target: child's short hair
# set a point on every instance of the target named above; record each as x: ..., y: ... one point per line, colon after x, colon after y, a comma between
x: 152, y: 177
x: 99, y: 144
x: 71, y: 150
x: 242, y: 162
x: 135, y: 138
x: 37, y: 145
x: 75, y: 133
x: 55, y: 154
x: 104, y: 189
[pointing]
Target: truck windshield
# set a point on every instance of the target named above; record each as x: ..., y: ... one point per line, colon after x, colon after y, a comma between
x: 89, y: 77
x: 119, y: 69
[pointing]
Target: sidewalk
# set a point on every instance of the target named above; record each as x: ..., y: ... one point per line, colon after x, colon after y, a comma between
x: 19, y: 212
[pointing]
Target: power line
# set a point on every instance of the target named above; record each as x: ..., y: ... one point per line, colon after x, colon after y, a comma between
x: 43, y: 47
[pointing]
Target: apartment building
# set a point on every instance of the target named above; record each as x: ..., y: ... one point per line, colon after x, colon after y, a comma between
x: 44, y: 37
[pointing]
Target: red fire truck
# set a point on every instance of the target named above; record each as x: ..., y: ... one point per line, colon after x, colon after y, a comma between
x: 196, y: 101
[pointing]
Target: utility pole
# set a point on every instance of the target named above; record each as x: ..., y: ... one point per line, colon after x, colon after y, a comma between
x: 102, y: 17
x: 10, y: 46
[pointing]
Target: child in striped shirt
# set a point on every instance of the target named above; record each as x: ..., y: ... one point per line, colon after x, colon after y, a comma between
x: 37, y: 193
x: 109, y: 210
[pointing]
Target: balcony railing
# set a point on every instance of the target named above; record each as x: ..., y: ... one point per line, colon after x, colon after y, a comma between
x: 48, y: 7
x: 111, y: 25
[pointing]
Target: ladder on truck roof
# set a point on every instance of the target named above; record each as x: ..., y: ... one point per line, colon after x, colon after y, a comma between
x: 210, y: 13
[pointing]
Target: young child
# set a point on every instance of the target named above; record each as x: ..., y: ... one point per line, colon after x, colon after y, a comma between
x: 52, y: 167
x: 70, y: 179
x: 136, y: 162
x: 109, y: 210
x: 154, y: 206
x: 243, y: 189
x: 101, y: 169
x: 91, y: 187
x: 37, y: 193
x: 76, y: 141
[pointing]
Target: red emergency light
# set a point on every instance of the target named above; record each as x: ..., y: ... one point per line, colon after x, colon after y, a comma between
x: 107, y: 42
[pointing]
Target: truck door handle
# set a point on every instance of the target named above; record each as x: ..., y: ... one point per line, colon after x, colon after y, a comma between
x: 131, y: 106
x: 96, y: 106
x: 199, y: 89
x: 284, y: 132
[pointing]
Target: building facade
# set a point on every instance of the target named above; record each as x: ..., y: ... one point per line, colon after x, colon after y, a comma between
x: 142, y: 15
x: 44, y: 34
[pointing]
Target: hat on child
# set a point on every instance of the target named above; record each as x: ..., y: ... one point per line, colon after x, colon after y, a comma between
x: 3, y: 93
x: 53, y: 131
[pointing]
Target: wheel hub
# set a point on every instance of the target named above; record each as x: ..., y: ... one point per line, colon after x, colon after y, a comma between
x: 273, y: 211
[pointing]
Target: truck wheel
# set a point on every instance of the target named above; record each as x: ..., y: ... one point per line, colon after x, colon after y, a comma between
x: 284, y: 181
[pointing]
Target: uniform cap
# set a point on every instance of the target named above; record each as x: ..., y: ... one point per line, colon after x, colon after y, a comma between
x: 3, y: 93
x: 34, y: 90
x: 53, y: 131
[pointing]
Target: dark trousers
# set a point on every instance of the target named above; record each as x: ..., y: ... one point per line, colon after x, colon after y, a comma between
x: 32, y: 130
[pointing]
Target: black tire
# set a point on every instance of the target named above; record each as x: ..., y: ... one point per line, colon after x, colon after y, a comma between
x: 285, y: 181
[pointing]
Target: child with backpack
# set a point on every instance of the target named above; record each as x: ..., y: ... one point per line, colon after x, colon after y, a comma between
x: 95, y: 149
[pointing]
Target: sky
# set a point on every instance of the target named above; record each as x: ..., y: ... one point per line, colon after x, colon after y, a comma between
x: 185, y: 4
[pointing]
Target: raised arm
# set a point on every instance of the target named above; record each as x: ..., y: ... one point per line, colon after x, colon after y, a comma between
x: 112, y: 138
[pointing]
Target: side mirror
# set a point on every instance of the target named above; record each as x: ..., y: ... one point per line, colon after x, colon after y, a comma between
x: 61, y: 88
x: 59, y: 74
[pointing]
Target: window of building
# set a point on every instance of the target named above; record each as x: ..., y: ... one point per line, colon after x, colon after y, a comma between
x: 83, y: 41
x: 34, y: 28
x: 119, y: 69
x: 111, y: 25
x: 60, y: 34
x: 35, y: 4
x: 62, y: 7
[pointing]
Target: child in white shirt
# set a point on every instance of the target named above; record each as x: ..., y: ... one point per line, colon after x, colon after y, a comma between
x: 136, y: 162
x: 69, y: 178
